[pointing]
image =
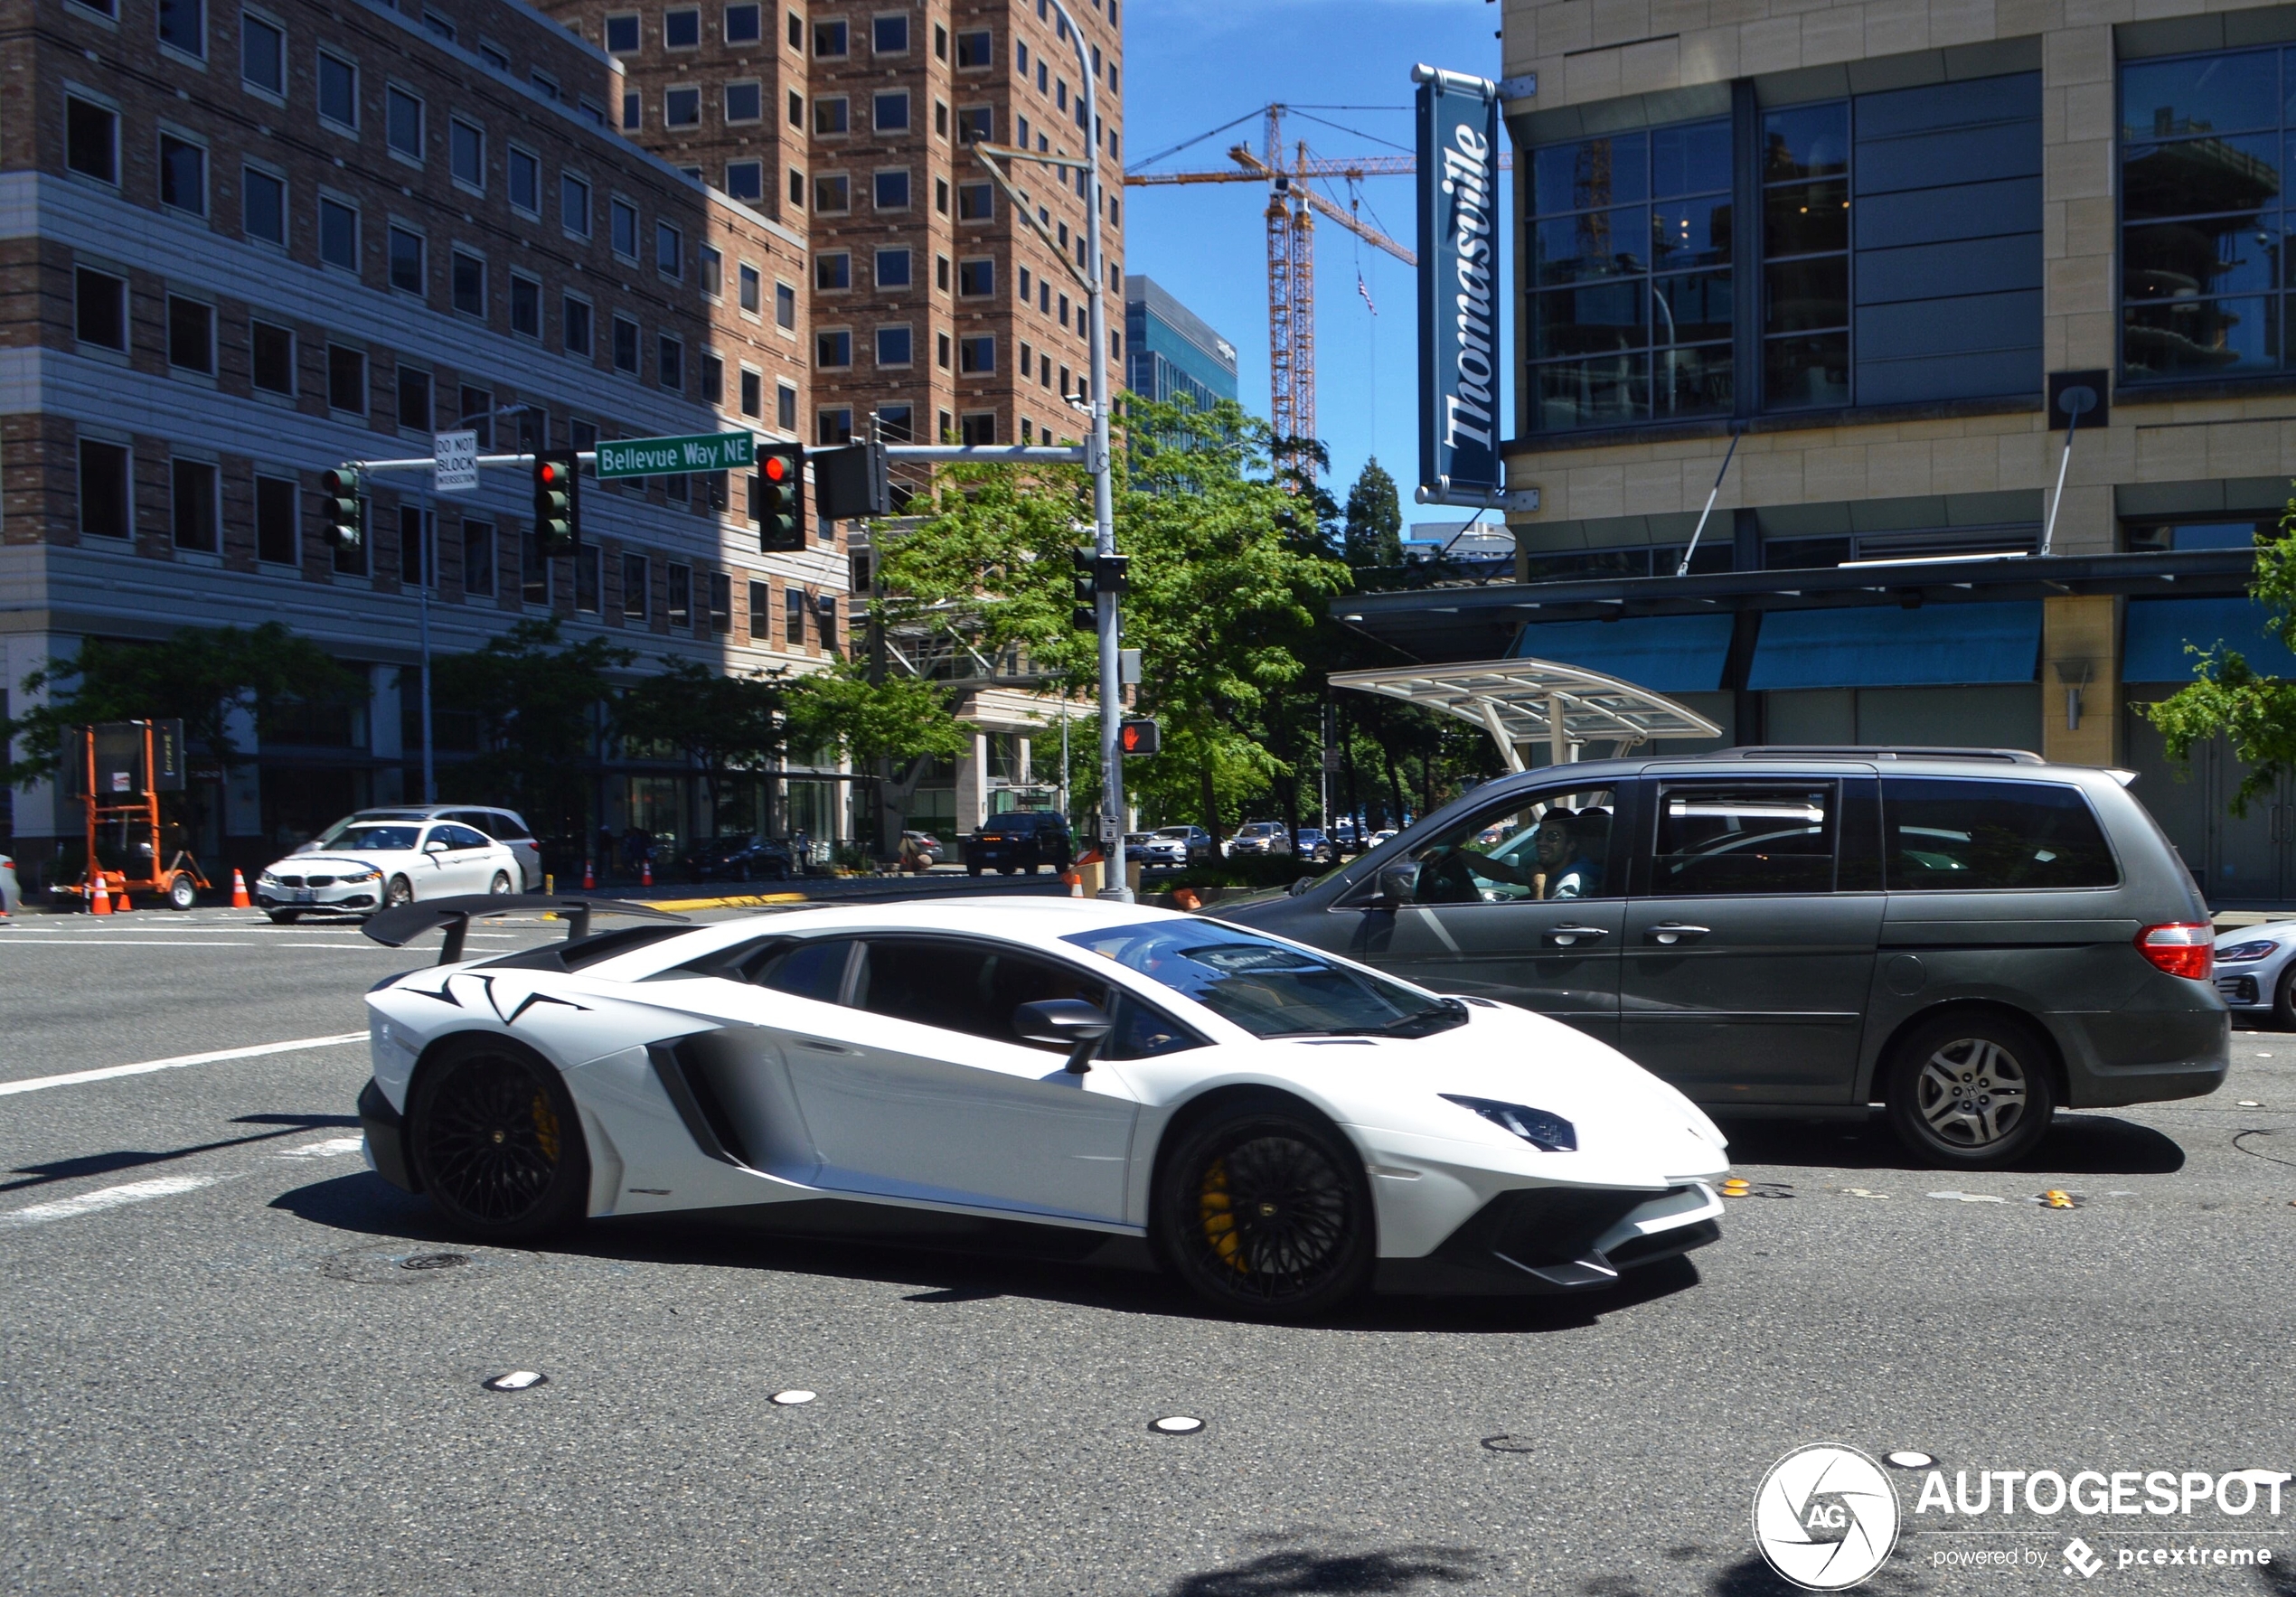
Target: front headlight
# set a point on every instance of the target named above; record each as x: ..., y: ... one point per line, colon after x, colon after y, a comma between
x: 2239, y: 952
x: 1549, y: 1133
x: 266, y: 877
x: 367, y: 875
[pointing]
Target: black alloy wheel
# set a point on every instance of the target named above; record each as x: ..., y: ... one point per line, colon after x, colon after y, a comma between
x: 1971, y: 1091
x: 1266, y: 1212
x: 496, y: 1143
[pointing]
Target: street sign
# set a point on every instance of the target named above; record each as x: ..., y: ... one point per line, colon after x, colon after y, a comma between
x: 454, y: 462
x: 667, y: 458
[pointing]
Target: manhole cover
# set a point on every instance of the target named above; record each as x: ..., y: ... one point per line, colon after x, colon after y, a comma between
x: 403, y: 1265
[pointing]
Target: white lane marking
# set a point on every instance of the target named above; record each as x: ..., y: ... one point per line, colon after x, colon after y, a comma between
x: 108, y: 1198
x: 122, y: 942
x: 110, y: 1072
x: 334, y: 1147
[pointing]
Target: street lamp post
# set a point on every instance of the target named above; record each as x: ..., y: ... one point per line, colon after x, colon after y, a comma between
x: 1104, y: 514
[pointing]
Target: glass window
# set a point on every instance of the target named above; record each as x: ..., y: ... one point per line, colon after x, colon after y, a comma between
x: 574, y: 324
x: 830, y: 38
x: 784, y: 408
x: 104, y: 489
x: 892, y: 268
x: 100, y: 308
x: 407, y: 261
x: 263, y: 206
x: 888, y: 36
x: 892, y: 190
x: 182, y: 174
x: 183, y: 25
x: 525, y: 182
x: 892, y: 346
x: 831, y: 113
x: 975, y: 124
x: 414, y: 398
x: 193, y: 502
x: 338, y: 234
x: 750, y: 282
x: 888, y: 111
x: 525, y: 306
x: 976, y: 49
x: 833, y: 195
x: 1269, y: 989
x: 278, y: 539
x: 720, y: 602
x: 1630, y: 239
x: 622, y: 34
x: 1941, y: 833
x: 785, y: 306
x: 338, y: 91
x: 466, y: 150
x: 681, y: 107
x: 91, y: 140
x: 1743, y: 838
x: 403, y: 123
x: 1535, y: 847
x: 2202, y: 247
x: 976, y: 201
x: 744, y: 102
x: 680, y: 594
x: 746, y: 180
x: 833, y: 347
x: 625, y: 218
x: 636, y: 568
x: 271, y: 358
x: 832, y: 270
x: 975, y: 278
x: 626, y: 345
x: 813, y: 969
x: 669, y: 250
x: 681, y: 30
x: 262, y: 54
x: 574, y: 204
x: 469, y: 284
x: 346, y: 379
x: 478, y: 559
x: 669, y: 362
x: 1805, y: 232
x: 976, y: 355
x: 742, y: 24
x: 753, y: 393
x: 968, y: 987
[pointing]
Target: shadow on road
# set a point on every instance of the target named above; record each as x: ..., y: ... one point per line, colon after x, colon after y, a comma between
x: 1334, y: 1572
x: 2077, y: 1145
x: 128, y: 1159
x: 366, y: 1205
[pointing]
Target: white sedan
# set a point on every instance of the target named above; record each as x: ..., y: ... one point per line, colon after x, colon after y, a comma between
x: 377, y: 864
x: 1280, y: 1127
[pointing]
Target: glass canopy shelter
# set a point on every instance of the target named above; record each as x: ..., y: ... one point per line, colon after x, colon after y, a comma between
x: 1524, y: 702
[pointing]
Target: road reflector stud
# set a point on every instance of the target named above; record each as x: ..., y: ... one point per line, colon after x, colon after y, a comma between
x: 1909, y: 1459
x: 2055, y: 1199
x: 791, y: 1399
x: 1737, y: 1187
x: 518, y: 1380
x: 1176, y: 1425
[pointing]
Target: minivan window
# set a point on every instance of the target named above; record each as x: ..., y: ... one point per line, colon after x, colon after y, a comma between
x: 1537, y: 846
x: 1942, y: 834
x: 1744, y: 837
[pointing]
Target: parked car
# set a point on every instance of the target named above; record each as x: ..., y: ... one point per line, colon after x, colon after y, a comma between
x: 505, y: 826
x: 1315, y: 846
x: 375, y: 864
x: 1021, y: 840
x: 1970, y: 939
x: 1152, y: 850
x: 1195, y: 842
x: 1261, y: 837
x: 740, y: 857
x: 2256, y: 973
x: 11, y: 895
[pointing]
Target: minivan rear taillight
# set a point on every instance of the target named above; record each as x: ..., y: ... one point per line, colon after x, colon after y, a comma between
x: 2181, y: 948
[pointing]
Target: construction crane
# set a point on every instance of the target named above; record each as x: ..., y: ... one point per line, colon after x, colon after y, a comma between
x: 1291, y: 204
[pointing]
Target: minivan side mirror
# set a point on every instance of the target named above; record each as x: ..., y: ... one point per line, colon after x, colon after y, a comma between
x: 1398, y: 885
x: 1066, y: 1022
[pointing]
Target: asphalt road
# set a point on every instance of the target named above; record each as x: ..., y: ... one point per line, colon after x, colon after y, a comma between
x: 217, y: 1374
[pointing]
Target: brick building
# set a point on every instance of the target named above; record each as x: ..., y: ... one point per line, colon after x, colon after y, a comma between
x: 245, y: 244
x: 933, y: 306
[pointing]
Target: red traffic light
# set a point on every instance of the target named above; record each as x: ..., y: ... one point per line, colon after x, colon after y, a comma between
x: 548, y: 471
x: 776, y: 467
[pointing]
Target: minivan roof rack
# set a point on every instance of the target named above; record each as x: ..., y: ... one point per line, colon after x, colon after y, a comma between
x: 1843, y: 751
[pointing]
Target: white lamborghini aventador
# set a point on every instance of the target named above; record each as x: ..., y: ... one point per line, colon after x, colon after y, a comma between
x: 1283, y: 1128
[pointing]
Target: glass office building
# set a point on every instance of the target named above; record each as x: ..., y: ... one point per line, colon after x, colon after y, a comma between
x: 1169, y: 351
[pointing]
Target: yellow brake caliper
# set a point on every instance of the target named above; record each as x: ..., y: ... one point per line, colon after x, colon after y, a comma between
x: 546, y: 1126
x: 1213, y: 1210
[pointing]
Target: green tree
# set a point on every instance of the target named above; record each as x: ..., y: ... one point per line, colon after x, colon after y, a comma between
x: 202, y: 675
x: 722, y: 723
x: 538, y: 700
x: 2255, y: 713
x: 1374, y: 519
x: 899, y: 719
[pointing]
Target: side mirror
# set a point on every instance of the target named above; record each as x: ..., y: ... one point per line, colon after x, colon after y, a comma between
x: 1066, y: 1022
x: 1398, y: 884
x: 437, y: 845
x: 1302, y: 885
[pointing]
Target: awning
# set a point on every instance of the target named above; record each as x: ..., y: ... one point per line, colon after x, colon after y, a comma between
x: 1872, y: 646
x: 1521, y: 702
x: 1665, y: 653
x: 2152, y: 648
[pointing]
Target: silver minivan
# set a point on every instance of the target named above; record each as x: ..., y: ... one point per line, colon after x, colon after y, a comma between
x: 1970, y: 938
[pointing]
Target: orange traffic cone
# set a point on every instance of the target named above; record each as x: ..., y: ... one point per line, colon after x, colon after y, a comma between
x: 589, y: 877
x: 101, y: 902
x: 646, y: 872
x: 120, y: 904
x: 239, y: 900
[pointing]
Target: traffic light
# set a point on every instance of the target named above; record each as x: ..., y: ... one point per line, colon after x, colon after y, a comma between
x: 850, y: 483
x: 1085, y: 617
x: 558, y: 503
x: 341, y: 489
x: 777, y: 498
x: 1095, y: 575
x: 1141, y: 736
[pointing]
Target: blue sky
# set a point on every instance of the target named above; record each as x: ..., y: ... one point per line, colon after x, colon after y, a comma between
x: 1194, y: 64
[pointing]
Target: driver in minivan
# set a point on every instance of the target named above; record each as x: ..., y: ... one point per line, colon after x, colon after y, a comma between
x: 1565, y: 852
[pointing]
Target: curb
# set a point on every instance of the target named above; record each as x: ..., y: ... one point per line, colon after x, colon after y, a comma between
x: 735, y: 901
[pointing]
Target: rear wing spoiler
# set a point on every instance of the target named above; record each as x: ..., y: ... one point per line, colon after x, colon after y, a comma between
x: 395, y: 928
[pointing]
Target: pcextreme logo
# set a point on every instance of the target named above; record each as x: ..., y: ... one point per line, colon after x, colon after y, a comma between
x: 1825, y: 1516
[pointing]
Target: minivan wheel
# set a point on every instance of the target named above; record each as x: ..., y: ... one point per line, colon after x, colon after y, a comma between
x: 1971, y: 1091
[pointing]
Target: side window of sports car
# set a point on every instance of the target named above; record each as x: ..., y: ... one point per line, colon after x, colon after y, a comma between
x: 960, y: 986
x: 1141, y: 1033
x: 814, y: 969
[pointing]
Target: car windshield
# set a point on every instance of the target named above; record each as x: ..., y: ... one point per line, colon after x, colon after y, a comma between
x: 376, y: 840
x: 1175, y: 832
x: 1271, y: 988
